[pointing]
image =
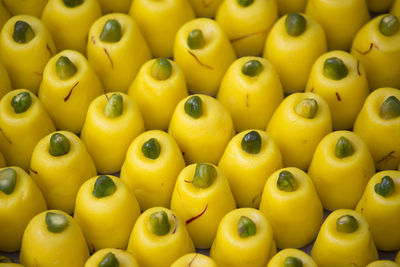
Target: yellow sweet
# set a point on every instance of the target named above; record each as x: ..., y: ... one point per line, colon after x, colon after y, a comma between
x: 282, y: 256
x: 205, y: 8
x: 124, y: 258
x: 379, y: 6
x: 17, y: 207
x: 383, y: 263
x: 5, y: 83
x: 30, y: 7
x: 194, y: 260
x: 115, y: 6
x: 250, y: 97
x: 291, y: 6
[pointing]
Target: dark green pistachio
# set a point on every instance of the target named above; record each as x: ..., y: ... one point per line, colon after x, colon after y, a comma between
x: 335, y: 69
x: 72, y: 3
x: 252, y: 68
x: 245, y: 3
x: 21, y: 102
x: 161, y: 69
x: 111, y: 32
x: 307, y: 108
x: 196, y: 39
x: 390, y: 108
x: 104, y: 186
x: 114, y: 106
x: 293, y: 262
x: 109, y: 260
x: 386, y: 187
x: 286, y: 182
x: 246, y: 227
x: 159, y: 223
x: 251, y: 142
x: 295, y: 24
x: 23, y: 32
x: 65, y: 69
x: 151, y: 148
x: 59, y: 145
x: 204, y: 175
x: 389, y: 25
x: 56, y: 223
x: 344, y: 148
x: 346, y: 224
x: 194, y: 107
x: 8, y: 180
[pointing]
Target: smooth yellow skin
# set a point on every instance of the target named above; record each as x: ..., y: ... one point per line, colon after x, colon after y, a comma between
x: 108, y: 139
x: 247, y: 27
x: 29, y: 7
x: 205, y: 8
x: 297, y: 137
x: 395, y: 10
x: 189, y: 201
x: 379, y: 54
x: 383, y: 263
x: 332, y: 247
x: 115, y: 6
x: 204, y: 68
x: 382, y: 213
x: 293, y: 57
x: 2, y: 160
x: 379, y: 6
x: 40, y: 247
x: 124, y: 258
x: 381, y: 136
x: 341, y: 20
x: 67, y: 101
x: 17, y: 209
x: 5, y: 82
x: 4, y: 15
x: 152, y: 181
x: 159, y: 21
x: 247, y: 173
x: 157, y: 99
x: 345, y: 97
x: 331, y: 175
x: 291, y: 6
x: 117, y: 63
x: 251, y: 101
x: 295, y: 216
x: 106, y: 222
x: 60, y: 177
x: 69, y: 26
x: 150, y: 249
x: 203, y: 139
x: 25, y: 62
x: 229, y: 249
x: 194, y: 260
x: 279, y: 259
x: 21, y: 131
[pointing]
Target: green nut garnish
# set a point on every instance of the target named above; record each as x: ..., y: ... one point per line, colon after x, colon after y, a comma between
x: 390, y: 108
x: 293, y: 262
x: 4, y: 259
x: 161, y: 69
x: 196, y: 39
x: 204, y: 175
x: 335, y: 69
x: 344, y: 148
x: 72, y: 3
x: 389, y: 25
x: 104, y: 186
x: 252, y: 68
x: 8, y: 180
x: 151, y: 148
x: 194, y: 107
x: 245, y: 3
x: 109, y: 260
x: 111, y: 32
x: 286, y: 182
x: 251, y: 142
x: 59, y: 145
x: 346, y: 224
x: 56, y: 223
x: 23, y: 32
x: 386, y: 187
x: 159, y: 223
x: 114, y: 106
x: 307, y: 108
x: 246, y: 227
x: 65, y: 69
x: 21, y: 102
x: 295, y: 24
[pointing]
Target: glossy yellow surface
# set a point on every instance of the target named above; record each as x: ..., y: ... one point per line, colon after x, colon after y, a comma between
x: 279, y: 259
x: 379, y: 6
x: 291, y: 6
x: 115, y: 6
x: 194, y: 260
x: 124, y: 258
x: 30, y: 7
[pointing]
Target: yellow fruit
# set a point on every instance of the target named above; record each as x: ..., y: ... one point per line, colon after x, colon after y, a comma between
x: 124, y: 258
x: 194, y: 260
x: 281, y: 257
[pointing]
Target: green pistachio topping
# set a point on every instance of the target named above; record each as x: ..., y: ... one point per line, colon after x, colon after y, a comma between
x: 204, y: 175
x: 344, y: 148
x: 196, y: 39
x: 251, y: 142
x: 104, y: 186
x: 295, y: 24
x: 21, y: 102
x: 4, y: 259
x: 159, y: 223
x: 390, y: 108
x: 346, y: 224
x: 56, y: 223
x: 194, y: 107
x: 292, y: 262
x: 161, y: 69
x: 65, y: 69
x: 286, y: 182
x: 389, y: 25
x: 109, y: 260
x: 111, y: 32
x: 8, y: 180
x: 59, y: 145
x: 72, y: 3
x: 252, y: 68
x: 386, y: 187
x: 23, y: 32
x: 307, y: 108
x: 114, y: 106
x: 335, y: 69
x: 151, y: 148
x: 246, y: 227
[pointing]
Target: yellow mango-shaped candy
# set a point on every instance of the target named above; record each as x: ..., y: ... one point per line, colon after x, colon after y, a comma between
x: 379, y: 6
x: 115, y: 6
x: 204, y: 53
x: 5, y: 82
x: 293, y: 45
x: 341, y: 19
x: 244, y: 239
x: 291, y: 257
x: 395, y: 10
x: 60, y: 165
x: 378, y: 124
x: 250, y: 91
x: 69, y: 22
x: 383, y: 263
x: 201, y: 198
x: 247, y: 24
x: 29, y: 7
x: 112, y: 122
x: 291, y: 6
x: 157, y: 89
x: 69, y: 85
x: 20, y: 201
x: 106, y: 210
x: 159, y: 21
x: 205, y: 8
x: 113, y: 256
x: 152, y: 164
x: 53, y: 238
x: 297, y: 126
x: 340, y: 169
x: 25, y: 47
x: 344, y: 231
x: 249, y: 159
x: 158, y: 238
x: 194, y: 260
x: 116, y: 50
x: 23, y: 122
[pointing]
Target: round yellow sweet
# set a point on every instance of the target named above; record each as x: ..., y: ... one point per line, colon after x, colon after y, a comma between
x: 279, y: 259
x: 195, y: 260
x: 125, y: 259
